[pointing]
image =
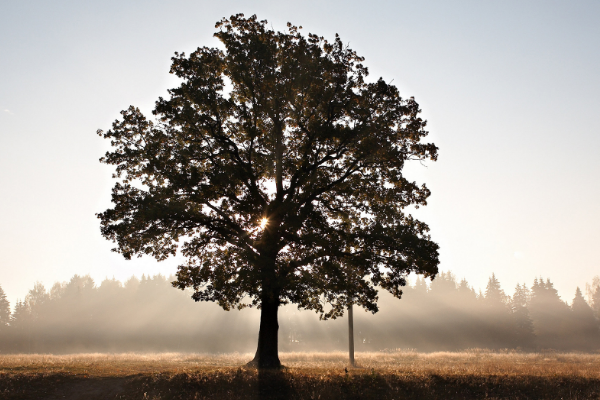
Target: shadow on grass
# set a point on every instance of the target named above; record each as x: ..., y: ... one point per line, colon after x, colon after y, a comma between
x: 61, y: 386
x: 273, y: 384
x: 244, y: 384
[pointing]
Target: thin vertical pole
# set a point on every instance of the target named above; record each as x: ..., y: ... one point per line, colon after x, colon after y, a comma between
x: 351, y: 334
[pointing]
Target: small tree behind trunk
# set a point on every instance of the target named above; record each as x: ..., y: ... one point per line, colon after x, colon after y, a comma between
x: 351, y: 334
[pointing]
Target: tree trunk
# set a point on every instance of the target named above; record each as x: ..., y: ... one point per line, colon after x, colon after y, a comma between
x: 267, y: 353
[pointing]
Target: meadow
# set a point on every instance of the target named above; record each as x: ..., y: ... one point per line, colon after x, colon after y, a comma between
x: 394, y: 374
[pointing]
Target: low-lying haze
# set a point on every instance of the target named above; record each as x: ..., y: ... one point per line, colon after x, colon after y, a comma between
x: 149, y: 315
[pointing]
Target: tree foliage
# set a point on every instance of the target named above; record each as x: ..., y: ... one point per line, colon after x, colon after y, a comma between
x: 285, y: 128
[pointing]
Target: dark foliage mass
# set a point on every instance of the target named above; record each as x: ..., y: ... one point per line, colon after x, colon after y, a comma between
x: 282, y: 128
x: 149, y: 315
x: 300, y: 117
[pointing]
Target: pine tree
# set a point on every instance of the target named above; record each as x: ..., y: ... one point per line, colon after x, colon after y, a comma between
x: 580, y: 306
x: 494, y: 295
x: 497, y: 317
x: 596, y: 302
x: 463, y: 287
x: 524, y: 335
x: 550, y: 315
x: 584, y: 327
x: 37, y: 299
x: 421, y: 286
x: 21, y: 327
x: 4, y: 311
x: 444, y: 285
x: 593, y: 294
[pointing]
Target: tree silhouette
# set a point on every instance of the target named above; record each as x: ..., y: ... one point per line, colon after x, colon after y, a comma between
x: 466, y: 292
x: 147, y: 315
x: 21, y: 324
x: 524, y: 335
x: 4, y: 320
x: 593, y: 295
x: 279, y: 167
x: 4, y: 310
x: 584, y: 325
x: 550, y: 314
x: 494, y: 295
x: 37, y: 298
x: 37, y: 306
x: 500, y: 324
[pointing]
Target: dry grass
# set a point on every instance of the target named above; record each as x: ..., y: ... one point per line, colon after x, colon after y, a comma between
x: 476, y: 362
x: 389, y: 375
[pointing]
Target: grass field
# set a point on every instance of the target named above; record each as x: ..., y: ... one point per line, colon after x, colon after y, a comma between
x: 382, y: 375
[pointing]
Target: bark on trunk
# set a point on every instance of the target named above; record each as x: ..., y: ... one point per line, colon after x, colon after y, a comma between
x: 267, y: 353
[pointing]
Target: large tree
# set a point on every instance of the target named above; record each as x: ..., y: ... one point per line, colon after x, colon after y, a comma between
x: 277, y: 167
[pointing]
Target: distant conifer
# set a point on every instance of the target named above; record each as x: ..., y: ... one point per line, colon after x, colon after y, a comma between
x: 4, y: 310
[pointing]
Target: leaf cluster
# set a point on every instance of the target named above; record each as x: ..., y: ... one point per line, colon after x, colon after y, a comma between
x: 279, y: 126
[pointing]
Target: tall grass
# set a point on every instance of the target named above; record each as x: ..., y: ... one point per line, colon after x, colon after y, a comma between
x: 473, y: 362
x: 387, y: 375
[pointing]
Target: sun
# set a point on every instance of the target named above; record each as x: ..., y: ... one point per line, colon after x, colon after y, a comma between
x: 263, y: 223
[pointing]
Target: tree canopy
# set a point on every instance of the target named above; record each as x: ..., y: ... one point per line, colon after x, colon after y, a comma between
x: 276, y: 168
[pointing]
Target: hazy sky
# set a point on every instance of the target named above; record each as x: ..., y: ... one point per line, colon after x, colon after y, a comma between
x: 511, y: 91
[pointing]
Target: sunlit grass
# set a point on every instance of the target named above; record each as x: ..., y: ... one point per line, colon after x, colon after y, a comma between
x: 380, y: 375
x: 475, y: 362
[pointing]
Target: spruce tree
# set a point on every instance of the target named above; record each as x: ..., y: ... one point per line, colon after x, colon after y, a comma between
x: 497, y: 318
x: 584, y: 327
x: 550, y: 315
x: 524, y: 334
x: 494, y: 295
x: 4, y: 311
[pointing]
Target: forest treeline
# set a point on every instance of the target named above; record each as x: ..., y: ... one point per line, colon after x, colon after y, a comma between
x: 148, y: 314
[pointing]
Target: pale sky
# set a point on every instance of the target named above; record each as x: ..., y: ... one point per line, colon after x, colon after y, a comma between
x: 511, y: 90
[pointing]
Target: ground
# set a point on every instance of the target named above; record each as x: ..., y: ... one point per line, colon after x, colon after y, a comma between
x: 383, y: 375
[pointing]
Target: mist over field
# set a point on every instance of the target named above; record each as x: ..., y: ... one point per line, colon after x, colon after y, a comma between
x: 149, y: 315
